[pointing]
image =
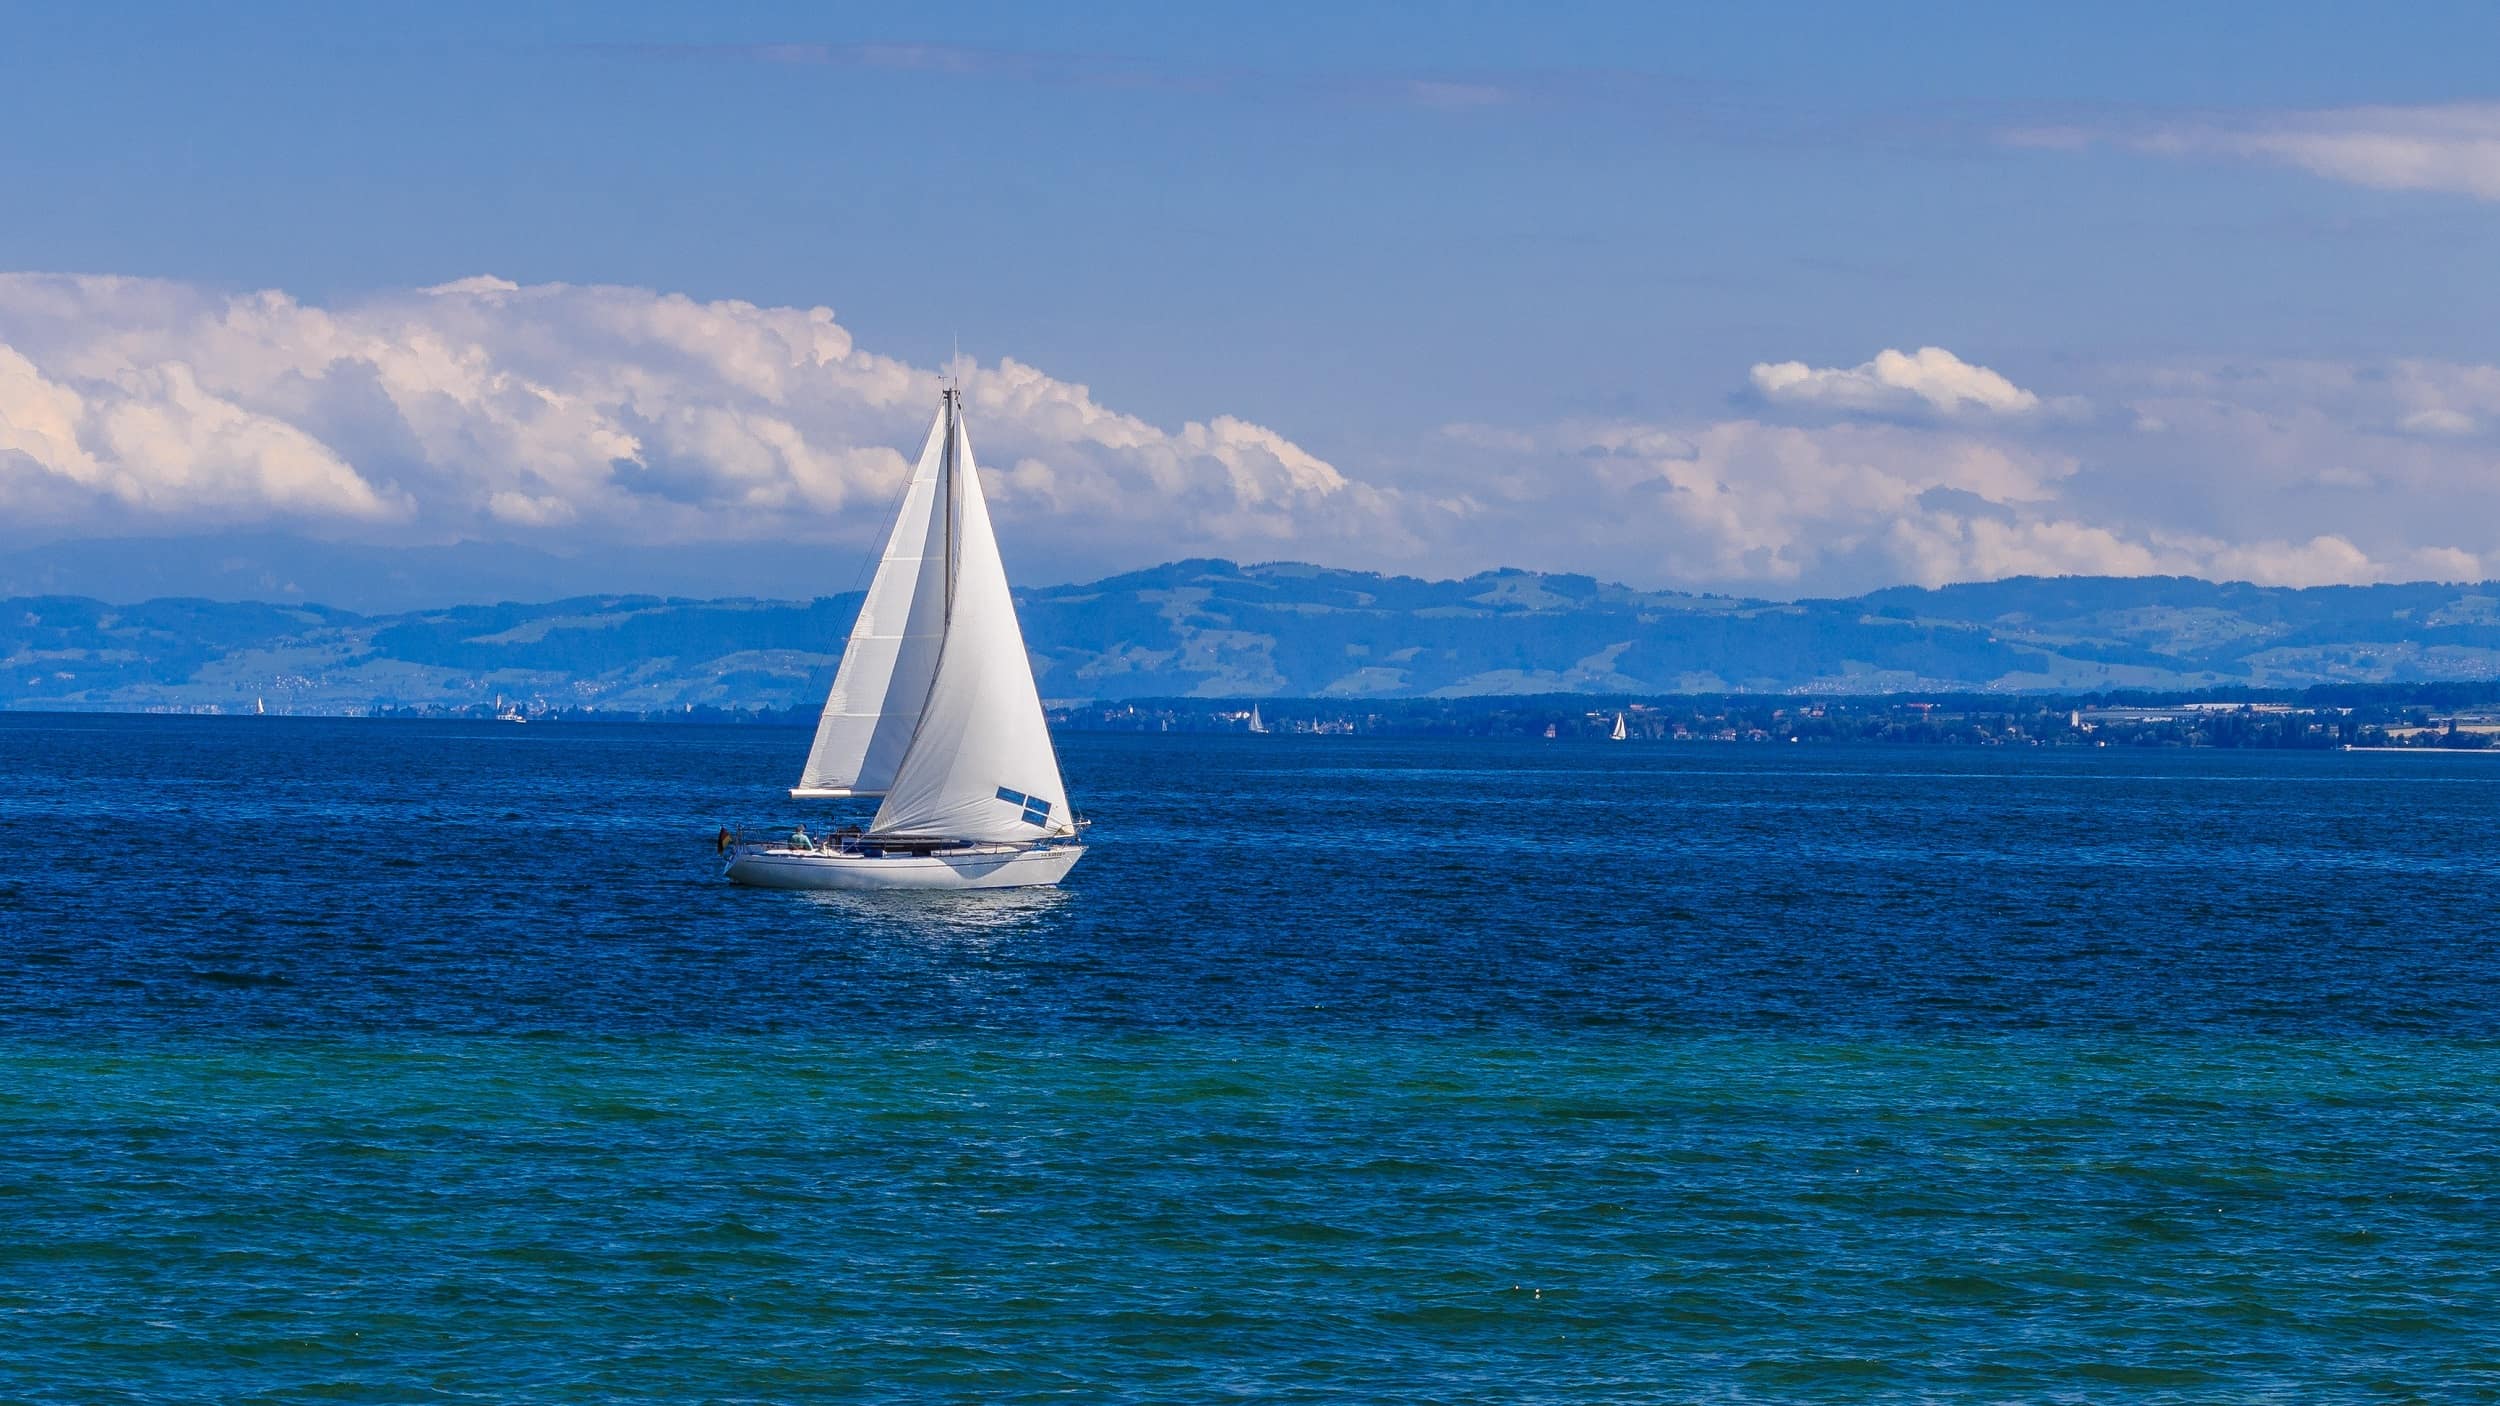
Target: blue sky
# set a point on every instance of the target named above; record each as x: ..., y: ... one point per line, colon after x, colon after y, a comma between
x: 1454, y: 255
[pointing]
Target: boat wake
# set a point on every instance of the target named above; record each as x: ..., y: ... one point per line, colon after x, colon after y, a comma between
x: 942, y: 914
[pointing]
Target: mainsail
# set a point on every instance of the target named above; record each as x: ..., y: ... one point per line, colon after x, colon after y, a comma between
x: 979, y: 765
x: 892, y: 657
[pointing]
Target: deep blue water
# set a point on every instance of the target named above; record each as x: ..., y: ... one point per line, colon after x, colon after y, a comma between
x: 396, y: 1061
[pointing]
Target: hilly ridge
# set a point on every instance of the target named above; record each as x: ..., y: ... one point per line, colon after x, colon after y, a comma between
x: 1212, y: 628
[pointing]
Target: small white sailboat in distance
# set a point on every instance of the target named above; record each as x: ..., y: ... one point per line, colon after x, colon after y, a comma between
x: 1619, y: 734
x: 1256, y: 723
x: 933, y: 713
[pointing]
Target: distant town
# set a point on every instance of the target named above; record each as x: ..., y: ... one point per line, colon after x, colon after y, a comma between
x: 2445, y: 715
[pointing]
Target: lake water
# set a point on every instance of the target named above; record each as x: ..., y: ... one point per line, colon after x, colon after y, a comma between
x: 401, y: 1062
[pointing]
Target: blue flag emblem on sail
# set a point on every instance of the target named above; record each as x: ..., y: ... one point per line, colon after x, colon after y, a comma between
x: 1036, y: 810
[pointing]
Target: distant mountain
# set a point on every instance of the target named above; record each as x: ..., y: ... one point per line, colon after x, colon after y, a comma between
x: 1214, y: 629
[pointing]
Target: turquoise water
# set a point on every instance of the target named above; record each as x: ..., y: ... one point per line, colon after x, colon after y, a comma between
x: 1645, y: 1074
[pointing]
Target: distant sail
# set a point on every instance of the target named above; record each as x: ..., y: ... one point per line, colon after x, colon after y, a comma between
x: 980, y: 766
x: 1619, y: 734
x: 891, y: 660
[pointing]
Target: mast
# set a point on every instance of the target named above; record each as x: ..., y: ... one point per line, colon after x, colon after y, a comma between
x: 948, y: 479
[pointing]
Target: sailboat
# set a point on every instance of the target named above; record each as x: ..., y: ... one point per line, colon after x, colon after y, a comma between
x: 933, y: 713
x: 1619, y: 734
x: 1256, y: 723
x: 1549, y: 732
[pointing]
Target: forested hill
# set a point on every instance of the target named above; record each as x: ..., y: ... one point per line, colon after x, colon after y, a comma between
x: 1212, y: 628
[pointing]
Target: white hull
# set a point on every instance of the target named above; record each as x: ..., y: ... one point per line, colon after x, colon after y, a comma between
x: 972, y: 867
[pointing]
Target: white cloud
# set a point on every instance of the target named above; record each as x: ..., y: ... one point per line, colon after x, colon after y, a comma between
x: 545, y: 510
x: 481, y: 407
x: 2322, y: 560
x: 2449, y: 147
x: 1823, y: 508
x: 2438, y: 420
x: 41, y: 420
x: 2278, y: 472
x: 2442, y: 564
x: 1773, y: 500
x: 154, y: 441
x: 1930, y: 378
x: 1936, y: 548
x: 588, y: 417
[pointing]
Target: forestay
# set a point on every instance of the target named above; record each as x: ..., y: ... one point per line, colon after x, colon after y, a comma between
x: 892, y: 657
x: 981, y: 766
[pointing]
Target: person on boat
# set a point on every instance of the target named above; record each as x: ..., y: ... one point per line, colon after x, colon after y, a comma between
x: 799, y: 839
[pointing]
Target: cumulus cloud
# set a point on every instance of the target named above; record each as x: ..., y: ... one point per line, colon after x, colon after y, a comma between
x: 589, y: 417
x: 154, y: 441
x: 2323, y: 559
x: 2284, y: 473
x: 2449, y: 147
x: 1930, y: 379
x: 1771, y: 501
x: 1828, y: 507
x: 482, y: 407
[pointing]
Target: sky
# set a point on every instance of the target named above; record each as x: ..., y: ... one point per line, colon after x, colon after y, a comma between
x: 1787, y: 300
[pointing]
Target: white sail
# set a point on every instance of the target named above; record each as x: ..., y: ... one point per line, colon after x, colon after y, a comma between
x: 1619, y: 733
x: 892, y: 657
x: 980, y: 766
